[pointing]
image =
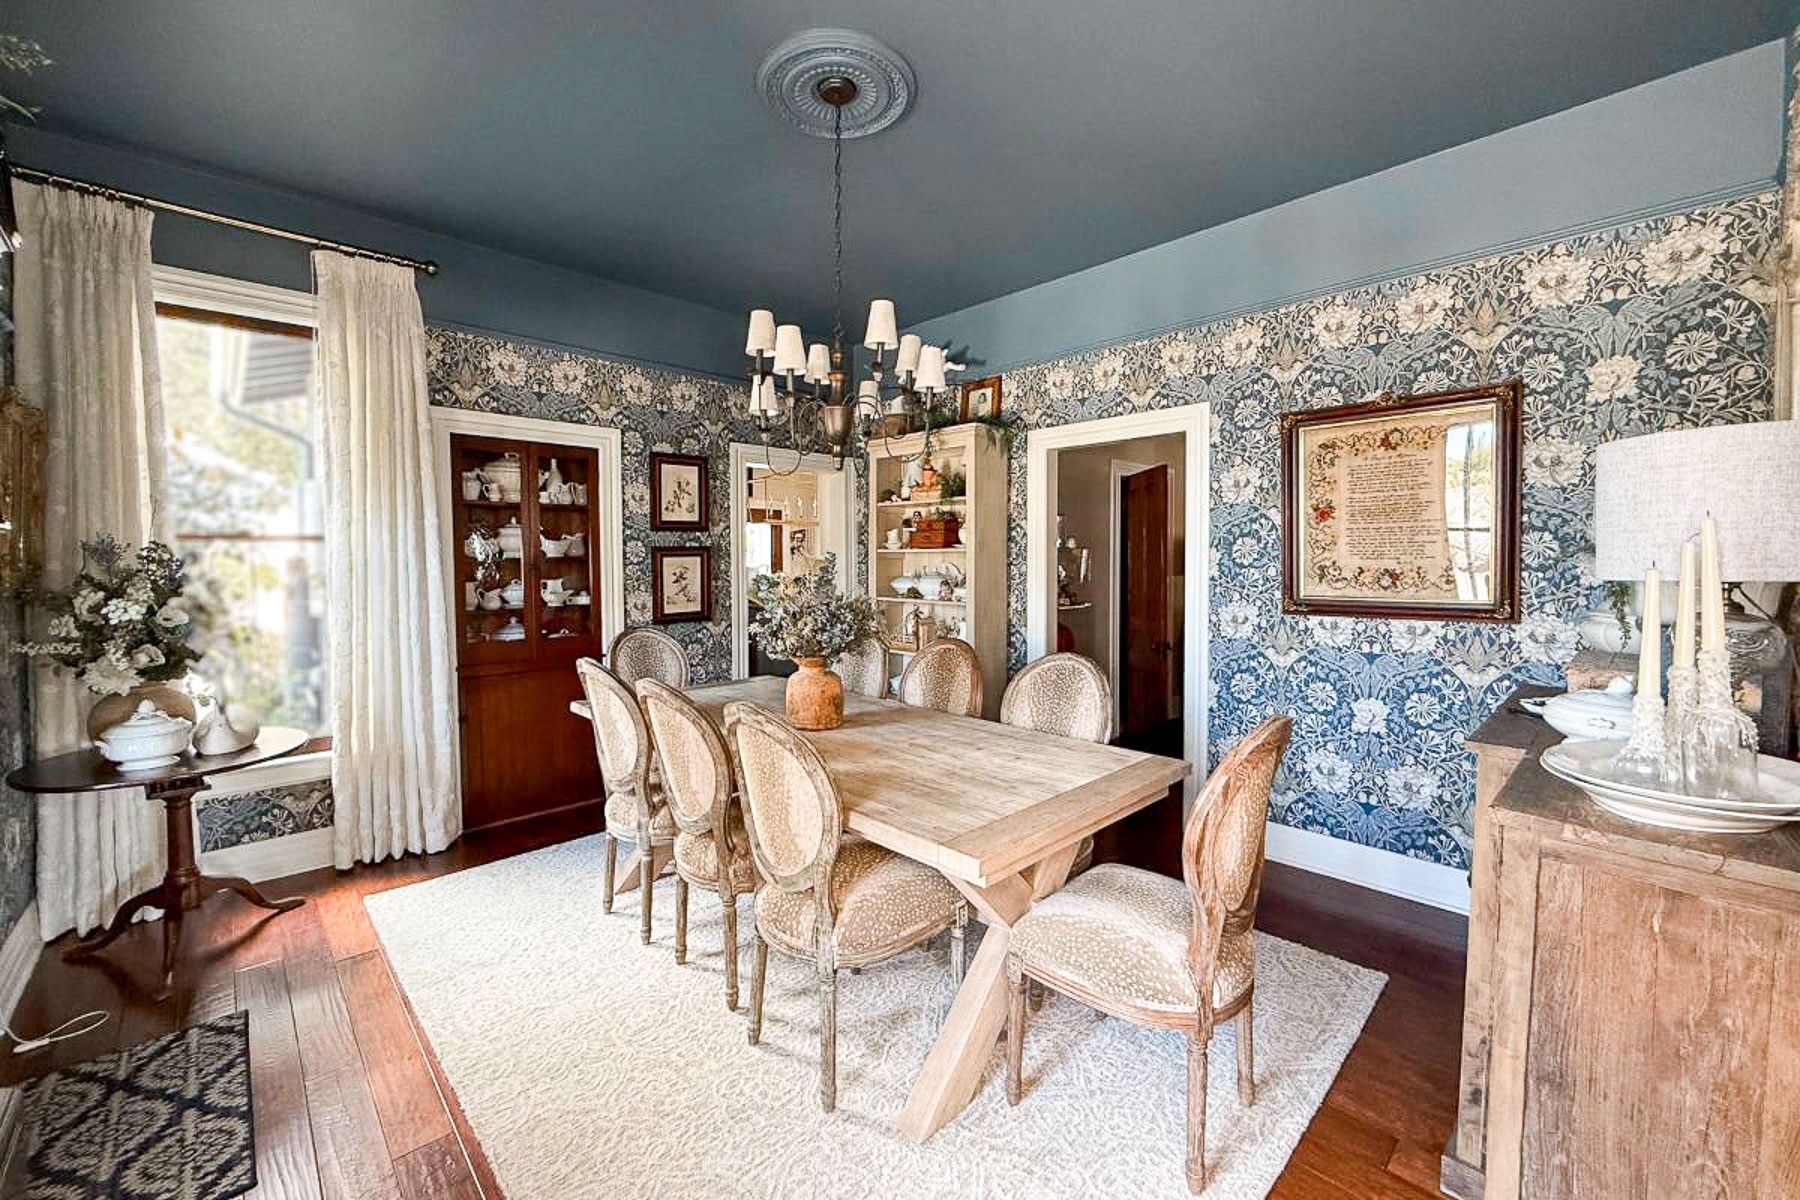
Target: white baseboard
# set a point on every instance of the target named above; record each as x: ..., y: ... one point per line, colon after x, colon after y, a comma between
x: 1383, y: 870
x: 271, y: 858
x: 18, y: 959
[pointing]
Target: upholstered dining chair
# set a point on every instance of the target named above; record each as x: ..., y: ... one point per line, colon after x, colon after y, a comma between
x: 946, y: 675
x: 646, y: 653
x: 836, y: 903
x: 863, y: 668
x: 712, y: 849
x: 1067, y: 695
x: 1160, y: 952
x: 634, y: 811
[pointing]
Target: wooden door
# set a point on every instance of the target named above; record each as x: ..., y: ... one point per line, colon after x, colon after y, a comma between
x: 1145, y: 648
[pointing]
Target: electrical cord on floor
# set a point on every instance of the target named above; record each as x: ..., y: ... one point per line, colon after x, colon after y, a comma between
x: 63, y: 1032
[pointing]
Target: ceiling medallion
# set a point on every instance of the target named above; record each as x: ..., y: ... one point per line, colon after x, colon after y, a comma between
x: 790, y: 78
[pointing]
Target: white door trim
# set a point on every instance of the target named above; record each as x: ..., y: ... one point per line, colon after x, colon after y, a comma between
x: 1119, y: 470
x: 607, y: 498
x: 1193, y: 421
x: 745, y: 455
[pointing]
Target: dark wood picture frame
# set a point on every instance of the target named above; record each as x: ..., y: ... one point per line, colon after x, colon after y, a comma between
x: 1503, y: 605
x: 659, y: 611
x: 968, y: 411
x: 664, y: 524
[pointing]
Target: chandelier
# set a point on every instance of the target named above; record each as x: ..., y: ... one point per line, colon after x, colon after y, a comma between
x: 813, y: 80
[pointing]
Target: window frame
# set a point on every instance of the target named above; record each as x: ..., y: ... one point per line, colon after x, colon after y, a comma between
x: 196, y: 295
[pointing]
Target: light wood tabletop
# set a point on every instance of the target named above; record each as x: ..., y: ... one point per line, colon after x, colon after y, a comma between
x: 999, y: 810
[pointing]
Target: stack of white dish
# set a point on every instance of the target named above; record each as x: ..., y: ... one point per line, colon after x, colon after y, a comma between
x: 1777, y: 802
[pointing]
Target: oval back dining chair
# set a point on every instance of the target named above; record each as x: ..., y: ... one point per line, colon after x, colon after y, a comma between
x: 946, y: 675
x: 1068, y: 695
x: 863, y: 668
x: 837, y: 903
x: 712, y: 849
x: 634, y: 806
x: 1153, y: 951
x: 646, y: 653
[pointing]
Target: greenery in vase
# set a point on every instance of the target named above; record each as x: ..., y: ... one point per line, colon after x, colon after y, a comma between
x: 806, y: 616
x: 956, y: 484
x: 127, y: 618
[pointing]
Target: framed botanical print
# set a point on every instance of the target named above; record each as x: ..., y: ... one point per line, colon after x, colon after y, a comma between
x: 981, y: 398
x: 1404, y: 507
x: 678, y: 492
x: 681, y: 584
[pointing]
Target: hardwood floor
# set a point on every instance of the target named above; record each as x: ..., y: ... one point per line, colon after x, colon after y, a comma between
x: 350, y: 1103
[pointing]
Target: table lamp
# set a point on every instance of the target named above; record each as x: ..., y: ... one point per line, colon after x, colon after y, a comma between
x: 1651, y: 494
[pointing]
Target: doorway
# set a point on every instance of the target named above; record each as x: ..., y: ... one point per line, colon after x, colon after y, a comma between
x: 788, y: 512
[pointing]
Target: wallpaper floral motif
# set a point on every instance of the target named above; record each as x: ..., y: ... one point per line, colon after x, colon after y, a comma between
x: 1656, y: 325
x: 657, y: 410
x: 264, y: 813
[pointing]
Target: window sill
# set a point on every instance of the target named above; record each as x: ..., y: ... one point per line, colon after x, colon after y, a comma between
x: 309, y: 766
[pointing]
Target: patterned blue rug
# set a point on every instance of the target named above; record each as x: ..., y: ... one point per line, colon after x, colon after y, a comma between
x: 165, y: 1120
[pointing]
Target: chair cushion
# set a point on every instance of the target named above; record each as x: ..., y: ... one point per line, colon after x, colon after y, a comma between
x: 621, y: 818
x: 1121, y: 934
x: 884, y: 903
x: 697, y: 857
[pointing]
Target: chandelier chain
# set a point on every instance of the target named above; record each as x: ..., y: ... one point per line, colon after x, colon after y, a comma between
x: 837, y: 224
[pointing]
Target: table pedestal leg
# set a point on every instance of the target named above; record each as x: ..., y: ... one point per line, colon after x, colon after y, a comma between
x: 183, y: 887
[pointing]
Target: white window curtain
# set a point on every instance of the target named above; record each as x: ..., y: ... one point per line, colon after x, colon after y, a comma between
x: 393, y: 718
x: 85, y: 347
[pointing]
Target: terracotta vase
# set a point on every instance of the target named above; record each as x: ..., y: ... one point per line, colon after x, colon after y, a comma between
x: 815, y: 696
x: 110, y: 710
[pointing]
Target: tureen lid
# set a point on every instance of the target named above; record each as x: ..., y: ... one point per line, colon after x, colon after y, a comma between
x: 1610, y: 705
x: 147, y: 721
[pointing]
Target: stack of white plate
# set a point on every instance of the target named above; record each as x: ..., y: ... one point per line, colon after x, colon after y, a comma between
x: 1777, y: 803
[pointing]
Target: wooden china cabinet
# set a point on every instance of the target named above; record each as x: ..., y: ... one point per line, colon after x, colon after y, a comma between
x: 525, y: 611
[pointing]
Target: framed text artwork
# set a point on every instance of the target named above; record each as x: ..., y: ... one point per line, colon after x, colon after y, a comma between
x: 681, y: 584
x: 678, y: 492
x: 1404, y: 507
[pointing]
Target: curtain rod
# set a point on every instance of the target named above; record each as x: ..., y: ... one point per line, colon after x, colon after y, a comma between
x: 30, y: 175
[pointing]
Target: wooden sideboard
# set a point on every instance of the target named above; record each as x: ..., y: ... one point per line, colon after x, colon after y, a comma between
x: 1631, y: 1024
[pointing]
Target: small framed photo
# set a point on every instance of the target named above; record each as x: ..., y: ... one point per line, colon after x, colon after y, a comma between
x: 981, y: 398
x: 681, y: 584
x: 678, y: 493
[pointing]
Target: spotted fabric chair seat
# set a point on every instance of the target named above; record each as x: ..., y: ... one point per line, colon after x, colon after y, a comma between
x: 697, y: 857
x: 1121, y: 935
x: 884, y: 902
x: 621, y: 819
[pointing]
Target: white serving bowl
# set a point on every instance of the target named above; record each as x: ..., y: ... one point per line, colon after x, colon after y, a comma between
x: 150, y: 738
x: 903, y: 584
x: 1593, y: 714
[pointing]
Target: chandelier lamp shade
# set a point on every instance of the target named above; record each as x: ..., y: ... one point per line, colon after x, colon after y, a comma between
x: 839, y: 84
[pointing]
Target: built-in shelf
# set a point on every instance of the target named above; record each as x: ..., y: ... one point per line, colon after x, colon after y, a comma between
x: 922, y: 550
x: 1074, y: 607
x: 956, y: 503
x: 909, y: 600
x: 491, y: 503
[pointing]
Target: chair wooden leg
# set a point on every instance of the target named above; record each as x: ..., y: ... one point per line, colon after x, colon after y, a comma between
x: 1246, y: 1042
x: 827, y: 1038
x: 1016, y: 983
x: 959, y: 960
x: 759, y: 970
x: 1196, y: 1111
x: 731, y: 954
x: 681, y: 905
x: 606, y: 877
x: 645, y: 893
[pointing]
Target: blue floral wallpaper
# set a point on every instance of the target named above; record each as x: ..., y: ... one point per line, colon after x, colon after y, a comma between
x: 1648, y: 326
x: 264, y: 813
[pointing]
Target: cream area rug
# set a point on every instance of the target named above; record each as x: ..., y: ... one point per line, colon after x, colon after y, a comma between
x: 591, y: 1065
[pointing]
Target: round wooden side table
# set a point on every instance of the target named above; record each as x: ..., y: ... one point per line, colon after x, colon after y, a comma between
x: 183, y: 887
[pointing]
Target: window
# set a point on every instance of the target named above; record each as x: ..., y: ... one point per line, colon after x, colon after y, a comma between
x: 245, y: 483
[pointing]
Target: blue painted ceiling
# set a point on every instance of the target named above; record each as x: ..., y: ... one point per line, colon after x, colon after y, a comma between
x: 626, y: 139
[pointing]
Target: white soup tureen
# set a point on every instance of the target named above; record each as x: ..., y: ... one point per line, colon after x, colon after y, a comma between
x: 148, y: 739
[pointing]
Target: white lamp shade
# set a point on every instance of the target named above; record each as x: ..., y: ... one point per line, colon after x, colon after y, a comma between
x: 790, y: 351
x: 761, y: 339
x: 1651, y: 493
x: 818, y: 363
x: 765, y: 399
x: 883, y: 332
x: 907, y: 361
x: 930, y: 375
x: 869, y: 390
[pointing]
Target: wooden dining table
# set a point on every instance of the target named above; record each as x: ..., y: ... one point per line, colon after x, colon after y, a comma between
x: 1000, y: 810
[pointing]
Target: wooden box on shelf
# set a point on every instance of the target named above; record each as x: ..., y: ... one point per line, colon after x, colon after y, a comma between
x: 961, y: 537
x: 527, y: 600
